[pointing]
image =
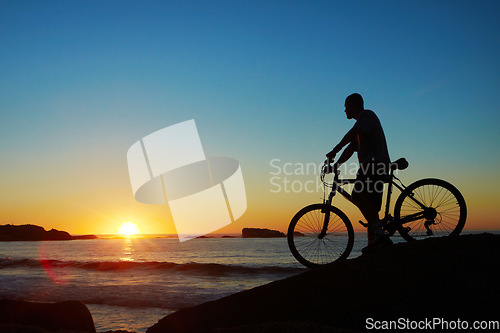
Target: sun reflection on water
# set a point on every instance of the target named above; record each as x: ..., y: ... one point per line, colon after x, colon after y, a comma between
x: 128, y: 250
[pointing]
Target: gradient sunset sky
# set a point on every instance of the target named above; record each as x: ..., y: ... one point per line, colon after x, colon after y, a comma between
x: 81, y: 81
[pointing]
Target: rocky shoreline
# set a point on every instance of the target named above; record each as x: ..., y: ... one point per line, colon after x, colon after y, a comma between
x: 447, y: 278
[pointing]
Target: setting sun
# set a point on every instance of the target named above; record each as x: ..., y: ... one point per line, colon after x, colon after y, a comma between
x: 129, y: 228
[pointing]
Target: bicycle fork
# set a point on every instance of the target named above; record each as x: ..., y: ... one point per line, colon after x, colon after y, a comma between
x: 326, y: 220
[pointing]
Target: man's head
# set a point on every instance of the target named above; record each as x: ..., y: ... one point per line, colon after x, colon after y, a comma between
x: 354, y: 105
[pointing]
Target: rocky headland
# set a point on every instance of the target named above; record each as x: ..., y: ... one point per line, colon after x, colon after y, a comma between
x: 30, y: 232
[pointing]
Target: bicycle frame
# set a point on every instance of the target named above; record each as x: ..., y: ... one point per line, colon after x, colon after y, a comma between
x: 337, y: 187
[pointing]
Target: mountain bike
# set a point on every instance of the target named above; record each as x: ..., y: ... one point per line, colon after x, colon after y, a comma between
x: 320, y: 233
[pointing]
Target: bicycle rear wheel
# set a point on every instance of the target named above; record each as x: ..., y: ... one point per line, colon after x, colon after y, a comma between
x: 305, y: 240
x: 444, y: 214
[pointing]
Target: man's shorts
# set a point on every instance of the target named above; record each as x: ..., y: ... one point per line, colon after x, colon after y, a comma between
x: 370, y: 181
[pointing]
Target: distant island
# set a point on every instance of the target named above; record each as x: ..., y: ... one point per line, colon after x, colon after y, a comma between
x: 30, y: 232
x: 261, y: 233
x: 84, y: 237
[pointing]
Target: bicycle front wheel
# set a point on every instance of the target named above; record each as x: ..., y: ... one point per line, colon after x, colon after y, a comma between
x: 313, y: 248
x: 430, y: 208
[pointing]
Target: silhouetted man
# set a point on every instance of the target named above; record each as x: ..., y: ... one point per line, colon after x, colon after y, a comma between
x: 366, y: 138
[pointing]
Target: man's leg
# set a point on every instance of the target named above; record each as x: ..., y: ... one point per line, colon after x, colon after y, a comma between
x: 371, y: 235
x: 369, y: 201
x: 367, y: 208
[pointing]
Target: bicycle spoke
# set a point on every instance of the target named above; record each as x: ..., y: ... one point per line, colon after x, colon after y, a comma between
x: 339, y: 249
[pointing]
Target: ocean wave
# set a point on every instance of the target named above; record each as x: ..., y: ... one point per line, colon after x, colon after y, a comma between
x: 205, y: 268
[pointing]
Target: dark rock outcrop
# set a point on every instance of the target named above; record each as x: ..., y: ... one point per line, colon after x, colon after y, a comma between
x: 260, y: 233
x: 65, y: 316
x: 449, y: 278
x: 29, y: 232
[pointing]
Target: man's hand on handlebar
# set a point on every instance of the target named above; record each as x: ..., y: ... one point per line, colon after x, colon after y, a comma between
x: 328, y: 168
x: 330, y: 157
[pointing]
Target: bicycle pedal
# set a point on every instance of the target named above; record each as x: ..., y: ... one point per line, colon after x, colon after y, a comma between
x: 363, y: 224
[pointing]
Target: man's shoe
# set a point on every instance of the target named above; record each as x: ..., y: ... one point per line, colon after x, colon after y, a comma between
x: 379, y: 242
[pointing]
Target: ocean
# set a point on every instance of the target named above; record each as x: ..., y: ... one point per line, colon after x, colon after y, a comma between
x: 132, y: 283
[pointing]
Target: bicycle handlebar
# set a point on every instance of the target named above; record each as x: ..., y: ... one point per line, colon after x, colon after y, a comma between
x: 326, y: 169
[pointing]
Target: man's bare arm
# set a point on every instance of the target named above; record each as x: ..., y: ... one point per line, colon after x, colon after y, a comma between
x: 346, y: 154
x: 348, y: 138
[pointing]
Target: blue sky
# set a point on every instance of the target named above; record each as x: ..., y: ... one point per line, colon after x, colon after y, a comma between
x: 80, y: 81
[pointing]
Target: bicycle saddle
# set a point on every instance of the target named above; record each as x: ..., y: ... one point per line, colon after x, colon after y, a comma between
x: 399, y: 164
